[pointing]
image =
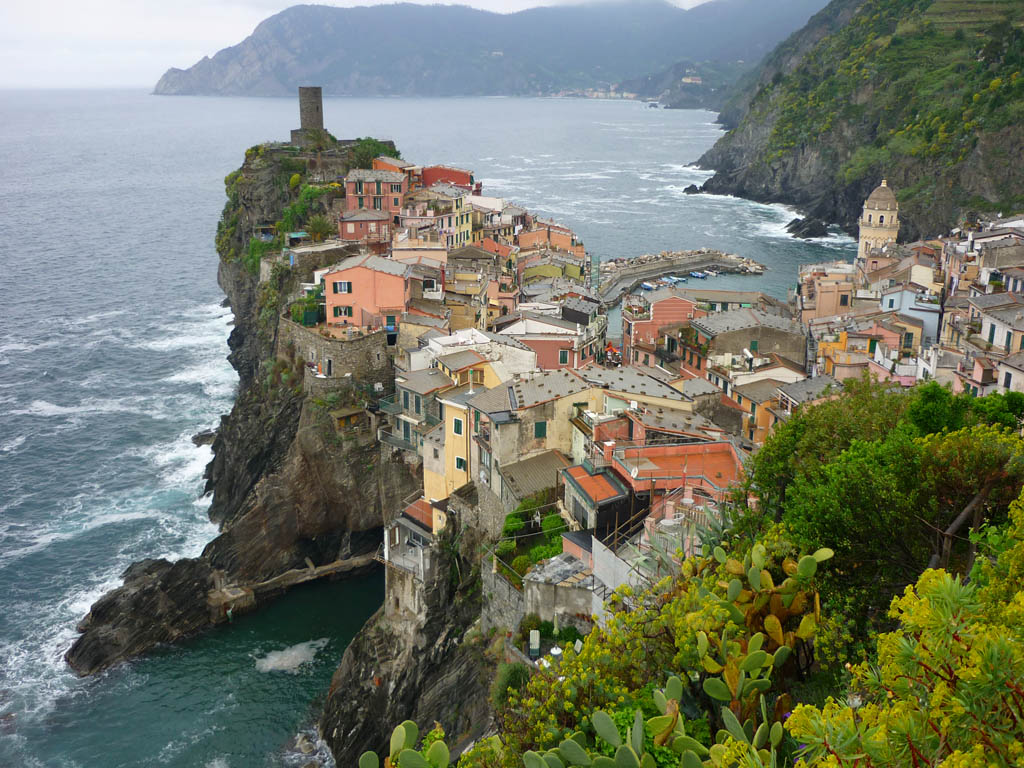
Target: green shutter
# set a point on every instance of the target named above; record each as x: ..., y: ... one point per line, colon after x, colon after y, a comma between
x: 540, y: 429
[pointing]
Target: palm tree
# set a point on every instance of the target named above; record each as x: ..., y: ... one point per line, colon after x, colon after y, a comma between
x: 319, y: 227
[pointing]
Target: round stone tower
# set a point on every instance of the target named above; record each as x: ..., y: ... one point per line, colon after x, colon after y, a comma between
x: 311, y: 108
x: 880, y: 221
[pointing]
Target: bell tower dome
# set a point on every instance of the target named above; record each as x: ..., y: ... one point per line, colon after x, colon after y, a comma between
x: 880, y: 220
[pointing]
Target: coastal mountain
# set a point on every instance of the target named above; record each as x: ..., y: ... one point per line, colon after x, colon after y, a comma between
x: 439, y: 50
x: 926, y: 93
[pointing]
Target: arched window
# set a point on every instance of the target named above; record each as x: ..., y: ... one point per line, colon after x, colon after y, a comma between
x: 869, y: 218
x: 881, y: 219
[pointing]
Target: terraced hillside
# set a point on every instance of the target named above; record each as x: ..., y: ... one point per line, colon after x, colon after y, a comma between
x: 928, y: 93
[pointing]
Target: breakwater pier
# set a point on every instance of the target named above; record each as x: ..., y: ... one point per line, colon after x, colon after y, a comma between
x: 622, y: 276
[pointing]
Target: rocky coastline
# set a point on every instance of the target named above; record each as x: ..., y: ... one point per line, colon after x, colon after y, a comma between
x: 286, y: 495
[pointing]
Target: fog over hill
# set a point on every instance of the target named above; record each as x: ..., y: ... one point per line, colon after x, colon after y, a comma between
x: 408, y: 49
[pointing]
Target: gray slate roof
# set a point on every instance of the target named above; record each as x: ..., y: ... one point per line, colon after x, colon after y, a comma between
x: 362, y: 214
x: 809, y: 389
x: 376, y: 263
x: 631, y: 380
x: 366, y: 174
x: 759, y: 391
x: 698, y: 387
x: 535, y: 474
x: 456, y: 361
x: 740, y: 319
x: 545, y: 386
x: 423, y: 381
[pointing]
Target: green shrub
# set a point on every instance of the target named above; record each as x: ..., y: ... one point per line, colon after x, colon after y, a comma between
x: 505, y: 548
x: 510, y: 677
x: 553, y: 523
x: 569, y: 635
x: 513, y: 525
x: 521, y: 564
x: 294, y: 181
x: 544, y: 551
x: 547, y: 630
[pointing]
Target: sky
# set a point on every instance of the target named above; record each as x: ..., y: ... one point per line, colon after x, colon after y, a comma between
x: 130, y: 43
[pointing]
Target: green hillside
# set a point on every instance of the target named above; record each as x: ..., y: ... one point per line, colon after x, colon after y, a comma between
x: 927, y: 92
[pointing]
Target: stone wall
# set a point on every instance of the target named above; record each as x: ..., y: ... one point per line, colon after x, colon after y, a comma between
x: 503, y: 604
x: 311, y: 108
x: 361, y: 361
x: 480, y: 509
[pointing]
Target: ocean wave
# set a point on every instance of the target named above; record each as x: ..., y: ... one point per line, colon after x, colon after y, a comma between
x: 9, y: 446
x: 292, y: 658
x: 216, y: 377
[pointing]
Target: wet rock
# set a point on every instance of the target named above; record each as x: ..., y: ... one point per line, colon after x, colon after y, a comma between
x: 159, y: 602
x: 693, y: 189
x: 807, y: 228
x: 206, y: 437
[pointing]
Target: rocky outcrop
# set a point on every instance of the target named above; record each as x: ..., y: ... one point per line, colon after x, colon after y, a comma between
x: 417, y: 667
x: 287, y: 491
x: 160, y: 602
x: 807, y: 228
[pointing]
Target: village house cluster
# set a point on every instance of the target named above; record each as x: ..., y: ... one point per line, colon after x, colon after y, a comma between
x: 583, y: 458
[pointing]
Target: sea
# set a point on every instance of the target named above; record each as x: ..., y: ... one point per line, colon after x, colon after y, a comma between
x: 113, y: 355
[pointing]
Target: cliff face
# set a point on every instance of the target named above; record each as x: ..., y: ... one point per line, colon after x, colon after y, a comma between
x: 416, y: 666
x: 900, y: 89
x: 287, y: 490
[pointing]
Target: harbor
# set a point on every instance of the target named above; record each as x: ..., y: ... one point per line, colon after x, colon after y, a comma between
x: 622, y: 276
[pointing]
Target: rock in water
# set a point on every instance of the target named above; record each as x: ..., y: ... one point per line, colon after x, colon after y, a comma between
x: 205, y: 437
x: 693, y: 189
x: 807, y: 228
x: 159, y: 602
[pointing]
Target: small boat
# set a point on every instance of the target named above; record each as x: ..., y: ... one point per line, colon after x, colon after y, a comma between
x: 698, y: 275
x: 647, y: 286
x: 711, y: 272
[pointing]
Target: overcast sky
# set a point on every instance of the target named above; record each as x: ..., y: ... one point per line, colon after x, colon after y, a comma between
x: 116, y: 43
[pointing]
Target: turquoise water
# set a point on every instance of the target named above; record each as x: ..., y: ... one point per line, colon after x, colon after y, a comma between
x: 112, y: 354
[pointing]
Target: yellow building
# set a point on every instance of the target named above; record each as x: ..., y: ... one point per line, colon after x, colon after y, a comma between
x: 880, y: 221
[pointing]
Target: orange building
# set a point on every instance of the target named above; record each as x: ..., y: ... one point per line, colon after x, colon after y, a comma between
x: 367, y: 291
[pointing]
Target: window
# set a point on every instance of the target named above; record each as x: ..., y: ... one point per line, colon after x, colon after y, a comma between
x: 376, y: 187
x: 739, y: 399
x: 429, y: 284
x: 881, y: 219
x: 563, y: 357
x: 647, y: 359
x: 844, y: 300
x: 359, y: 189
x: 892, y: 303
x: 360, y: 202
x: 1007, y: 377
x: 396, y: 202
x: 342, y: 286
x: 396, y: 188
x: 389, y: 321
x: 476, y: 421
x: 330, y: 367
x: 540, y: 430
x: 350, y: 228
x: 460, y: 463
x: 405, y: 399
x: 436, y: 454
x: 343, y: 311
x: 457, y: 428
x: 1009, y: 336
x: 753, y: 345
x: 377, y: 203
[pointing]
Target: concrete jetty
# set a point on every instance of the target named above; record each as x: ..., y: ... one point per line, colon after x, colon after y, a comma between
x: 622, y: 276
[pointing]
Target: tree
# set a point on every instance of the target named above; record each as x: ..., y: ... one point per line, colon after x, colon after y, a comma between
x: 367, y: 148
x: 319, y: 227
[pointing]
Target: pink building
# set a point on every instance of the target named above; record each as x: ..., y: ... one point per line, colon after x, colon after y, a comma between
x: 375, y: 190
x: 558, y: 343
x: 370, y: 227
x: 366, y: 291
x: 644, y: 317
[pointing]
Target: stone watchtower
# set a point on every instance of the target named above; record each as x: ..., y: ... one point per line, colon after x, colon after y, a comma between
x: 311, y: 115
x: 311, y: 108
x: 880, y: 221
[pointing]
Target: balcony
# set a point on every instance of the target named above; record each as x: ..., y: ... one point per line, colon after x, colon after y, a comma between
x: 388, y: 437
x: 390, y: 405
x: 636, y: 308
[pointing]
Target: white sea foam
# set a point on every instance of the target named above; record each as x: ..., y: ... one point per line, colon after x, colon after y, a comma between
x: 292, y: 658
x: 8, y: 446
x: 216, y: 377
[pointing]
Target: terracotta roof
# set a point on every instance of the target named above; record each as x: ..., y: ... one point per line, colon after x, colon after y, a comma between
x: 597, y: 487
